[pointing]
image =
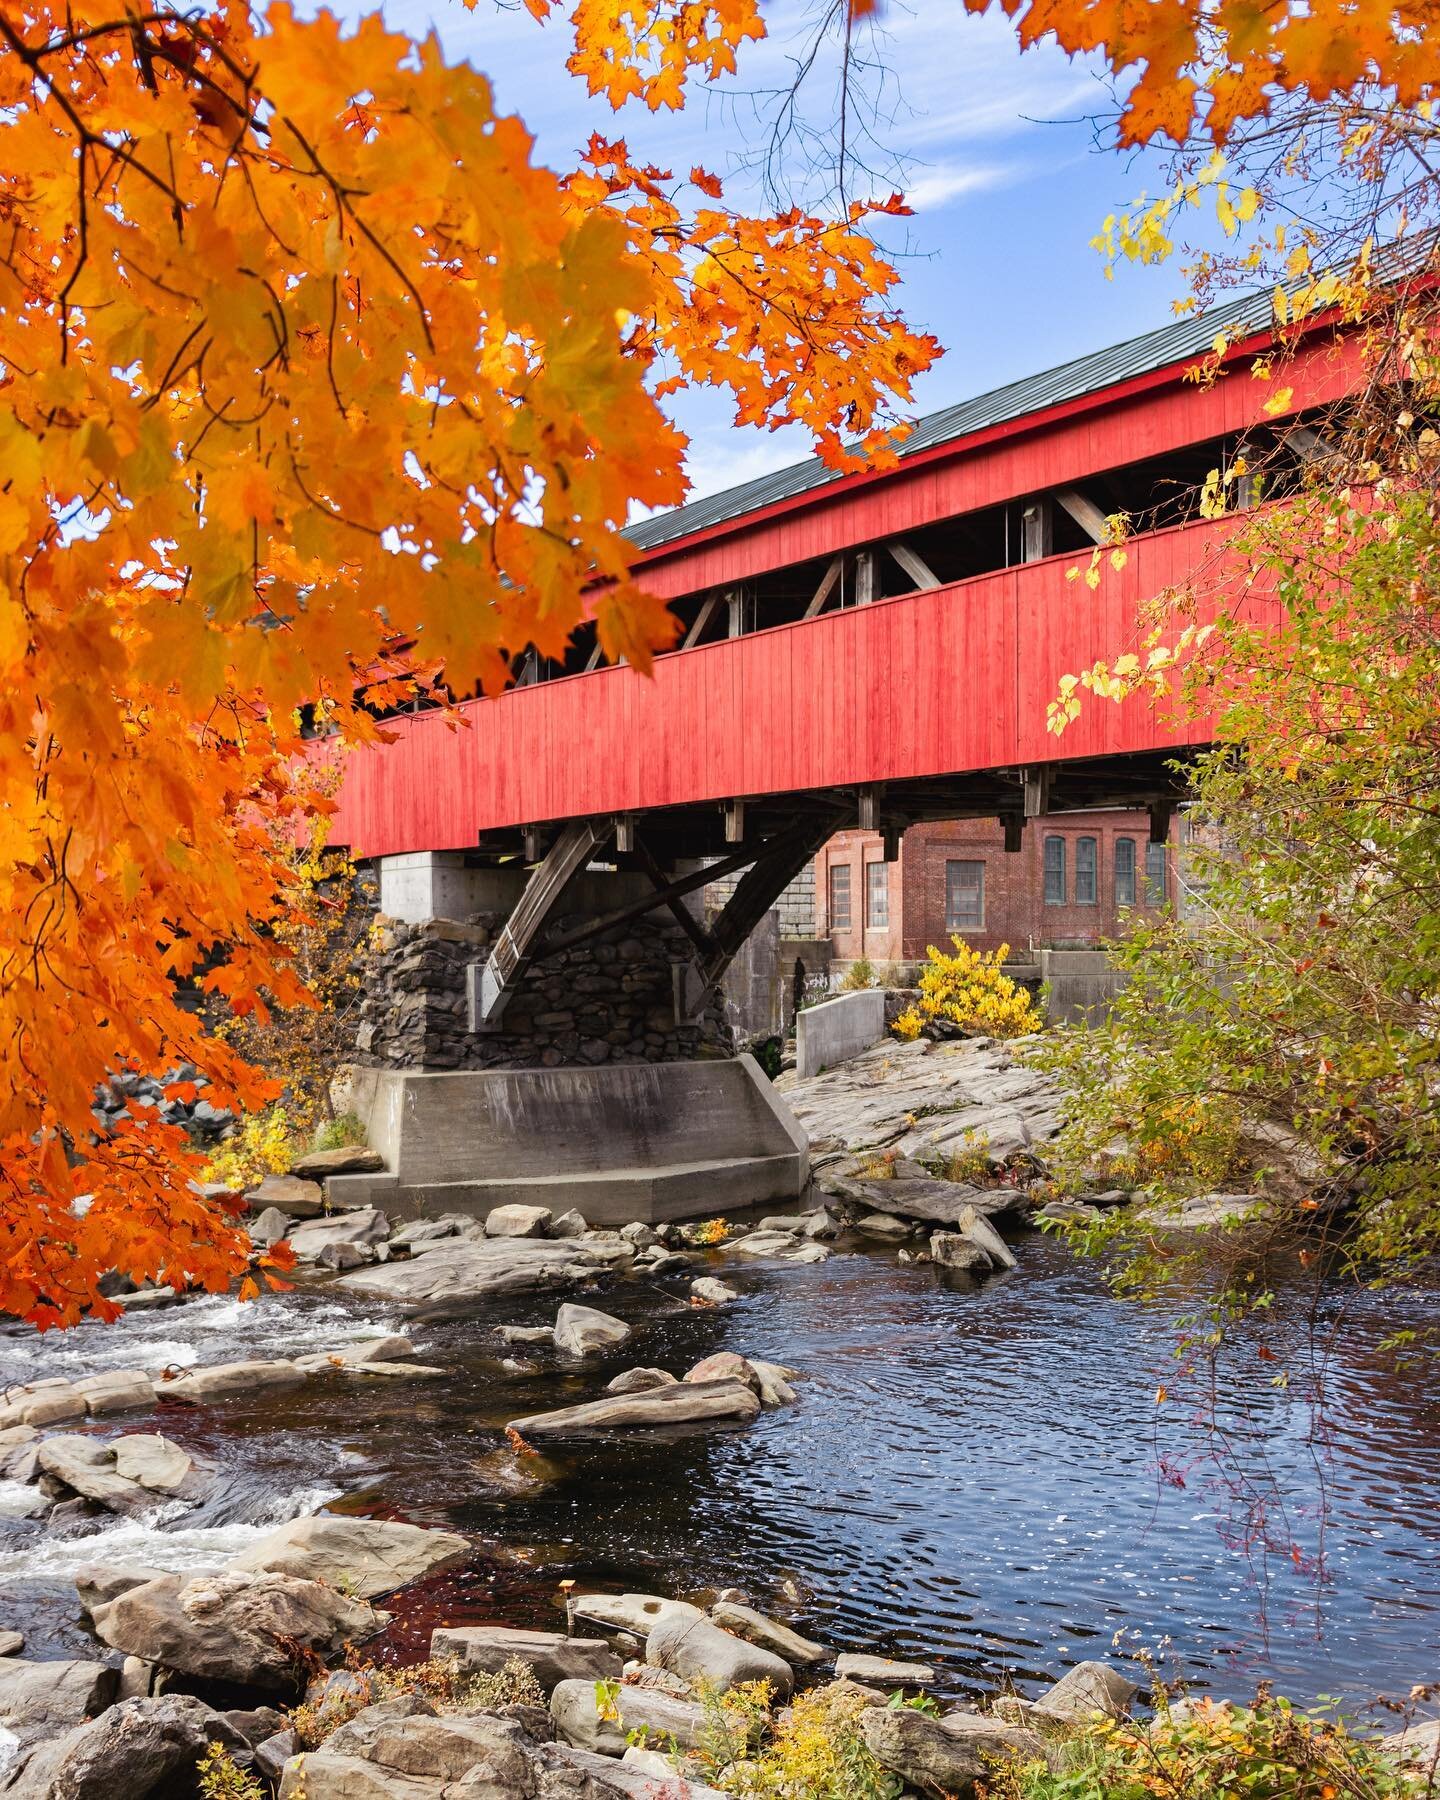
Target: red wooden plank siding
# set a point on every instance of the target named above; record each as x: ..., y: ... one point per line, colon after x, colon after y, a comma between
x: 940, y: 683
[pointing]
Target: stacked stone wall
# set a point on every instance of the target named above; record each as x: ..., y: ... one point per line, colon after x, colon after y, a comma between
x: 609, y: 1000
x: 796, y: 905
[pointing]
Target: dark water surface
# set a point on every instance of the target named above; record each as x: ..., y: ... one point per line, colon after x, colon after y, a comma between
x: 979, y: 1476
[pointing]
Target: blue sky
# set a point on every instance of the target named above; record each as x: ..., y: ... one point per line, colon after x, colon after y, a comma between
x: 1000, y: 163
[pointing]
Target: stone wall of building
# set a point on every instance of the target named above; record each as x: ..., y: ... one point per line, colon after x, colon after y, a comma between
x: 609, y: 1000
x: 795, y: 907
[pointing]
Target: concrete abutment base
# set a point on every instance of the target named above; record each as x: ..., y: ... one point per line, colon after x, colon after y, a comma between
x: 651, y: 1142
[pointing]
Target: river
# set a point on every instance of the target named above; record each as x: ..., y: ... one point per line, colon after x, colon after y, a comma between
x: 982, y: 1476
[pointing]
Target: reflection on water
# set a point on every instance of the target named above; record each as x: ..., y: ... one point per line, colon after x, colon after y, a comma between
x: 982, y: 1477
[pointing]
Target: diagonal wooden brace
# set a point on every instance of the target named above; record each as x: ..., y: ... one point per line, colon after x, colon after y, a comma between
x: 490, y: 984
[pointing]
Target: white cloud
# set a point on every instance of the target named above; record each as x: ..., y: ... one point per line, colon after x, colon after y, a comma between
x: 935, y: 187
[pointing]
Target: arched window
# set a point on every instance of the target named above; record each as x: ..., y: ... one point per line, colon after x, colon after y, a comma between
x: 1155, y: 875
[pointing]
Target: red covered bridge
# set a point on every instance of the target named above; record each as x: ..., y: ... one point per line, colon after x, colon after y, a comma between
x: 871, y: 649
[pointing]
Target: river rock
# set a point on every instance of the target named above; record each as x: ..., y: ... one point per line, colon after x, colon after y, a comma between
x: 768, y: 1633
x: 583, y: 1331
x: 636, y: 1774
x: 364, y: 1227
x: 700, y: 1650
x: 636, y: 1614
x: 231, y: 1381
x: 576, y: 1712
x: 343, y: 1255
x: 764, y: 1243
x: 569, y: 1225
x: 922, y: 1753
x: 344, y: 1159
x: 775, y: 1379
x: 882, y: 1671
x: 58, y: 1406
x: 889, y: 1228
x: 979, y: 1230
x: 295, y: 1198
x: 954, y: 1250
x: 40, y: 1699
x: 713, y: 1292
x: 268, y: 1227
x: 360, y: 1557
x: 461, y: 1270
x: 96, y: 1583
x: 11, y: 1643
x: 682, y: 1404
x: 88, y: 1468
x: 1088, y: 1688
x: 138, y: 1748
x: 516, y: 1221
x: 115, y: 1391
x: 236, y: 1627
x: 553, y: 1656
x: 152, y: 1461
x: 724, y: 1365
x: 638, y: 1381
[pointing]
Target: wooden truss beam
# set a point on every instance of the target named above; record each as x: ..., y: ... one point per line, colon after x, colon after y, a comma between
x: 827, y: 586
x: 914, y: 565
x: 1086, y: 515
x: 490, y: 984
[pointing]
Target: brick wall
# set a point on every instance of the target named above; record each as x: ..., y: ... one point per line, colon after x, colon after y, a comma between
x: 1014, y: 908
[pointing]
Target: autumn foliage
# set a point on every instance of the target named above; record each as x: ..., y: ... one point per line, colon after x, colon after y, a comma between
x: 305, y: 357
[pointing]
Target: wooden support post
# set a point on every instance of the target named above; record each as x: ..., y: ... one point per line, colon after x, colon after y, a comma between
x: 867, y: 808
x: 534, y: 844
x: 624, y: 833
x: 1086, y: 515
x: 1014, y: 826
x: 891, y: 840
x: 734, y: 821
x: 1309, y: 444
x: 1037, y: 531
x: 736, y: 599
x: 594, y: 661
x: 702, y: 619
x: 491, y: 983
x: 914, y: 566
x: 828, y: 582
x: 867, y: 577
x: 1037, y: 791
x: 1161, y: 813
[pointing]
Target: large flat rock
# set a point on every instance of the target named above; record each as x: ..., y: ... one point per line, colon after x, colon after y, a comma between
x: 458, y: 1269
x: 685, y: 1403
x: 922, y: 1099
x: 360, y: 1557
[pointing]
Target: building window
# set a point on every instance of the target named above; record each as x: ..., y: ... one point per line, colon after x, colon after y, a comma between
x: 1054, y: 871
x: 1154, y: 874
x: 840, y: 896
x: 1087, y: 873
x: 964, y: 896
x: 1124, y: 871
x: 877, y: 896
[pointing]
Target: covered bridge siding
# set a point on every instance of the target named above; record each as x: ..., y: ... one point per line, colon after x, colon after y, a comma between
x: 867, y: 649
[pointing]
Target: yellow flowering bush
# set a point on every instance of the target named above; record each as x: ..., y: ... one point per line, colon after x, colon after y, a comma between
x: 265, y: 1144
x: 969, y: 989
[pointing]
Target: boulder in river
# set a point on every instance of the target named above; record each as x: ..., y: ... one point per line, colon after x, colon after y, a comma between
x: 235, y: 1627
x: 638, y: 1381
x: 232, y: 1381
x: 979, y: 1230
x: 584, y: 1331
x: 360, y: 1557
x: 87, y: 1467
x: 138, y: 1748
x: 464, y: 1270
x: 882, y: 1671
x: 576, y: 1711
x: 517, y: 1221
x: 268, y: 1227
x: 889, y: 1228
x: 116, y: 1391
x: 152, y: 1461
x: 636, y: 1614
x: 770, y: 1634
x: 713, y: 1292
x: 553, y: 1656
x: 925, y: 1755
x: 295, y: 1198
x: 364, y: 1227
x: 685, y: 1403
x: 700, y: 1650
x: 1090, y: 1687
x: 569, y: 1225
x: 40, y: 1699
x: 724, y: 1365
x: 96, y: 1583
x: 954, y: 1250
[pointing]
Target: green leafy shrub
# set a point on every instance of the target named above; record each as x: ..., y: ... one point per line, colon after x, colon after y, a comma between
x: 860, y: 974
x: 340, y: 1132
x: 220, y: 1777
x: 816, y: 1753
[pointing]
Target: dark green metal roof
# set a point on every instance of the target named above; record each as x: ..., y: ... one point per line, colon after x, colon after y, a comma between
x: 1186, y: 338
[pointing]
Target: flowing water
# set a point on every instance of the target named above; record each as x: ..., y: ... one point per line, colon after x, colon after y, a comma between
x: 980, y: 1476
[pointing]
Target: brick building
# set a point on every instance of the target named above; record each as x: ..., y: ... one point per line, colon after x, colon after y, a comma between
x: 1070, y: 884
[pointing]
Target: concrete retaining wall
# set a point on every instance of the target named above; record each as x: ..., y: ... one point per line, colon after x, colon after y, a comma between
x: 1082, y: 984
x: 838, y: 1029
x: 665, y: 1141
